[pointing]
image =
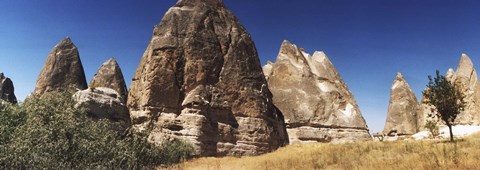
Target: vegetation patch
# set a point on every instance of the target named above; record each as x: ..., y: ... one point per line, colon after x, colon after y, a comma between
x: 428, y: 154
x: 50, y: 133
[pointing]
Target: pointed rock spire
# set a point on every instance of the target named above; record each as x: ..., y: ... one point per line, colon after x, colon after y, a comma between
x: 200, y: 80
x: 110, y: 75
x: 465, y: 68
x: 62, y: 70
x: 7, y: 91
x: 314, y: 99
x: 465, y: 73
x: 465, y: 77
x: 403, y: 108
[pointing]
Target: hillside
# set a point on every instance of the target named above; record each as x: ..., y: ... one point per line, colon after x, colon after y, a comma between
x: 364, y: 155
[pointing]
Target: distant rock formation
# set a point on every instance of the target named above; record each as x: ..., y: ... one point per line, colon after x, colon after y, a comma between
x: 403, y: 109
x: 466, y: 77
x: 62, y: 70
x: 7, y: 91
x: 102, y: 102
x: 110, y: 75
x: 200, y: 80
x: 316, y: 103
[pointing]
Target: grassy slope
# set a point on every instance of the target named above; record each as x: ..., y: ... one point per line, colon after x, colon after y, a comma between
x: 464, y: 154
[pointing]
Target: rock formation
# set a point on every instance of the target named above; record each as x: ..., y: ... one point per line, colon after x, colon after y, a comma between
x: 102, y: 102
x: 403, y: 108
x: 316, y: 103
x: 466, y: 78
x: 7, y: 91
x: 62, y: 70
x: 200, y: 80
x: 110, y: 75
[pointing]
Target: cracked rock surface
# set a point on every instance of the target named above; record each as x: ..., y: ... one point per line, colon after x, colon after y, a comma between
x: 316, y: 102
x: 110, y: 75
x: 62, y: 70
x: 200, y: 80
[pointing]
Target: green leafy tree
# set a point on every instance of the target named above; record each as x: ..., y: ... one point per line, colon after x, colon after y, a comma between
x: 447, y: 99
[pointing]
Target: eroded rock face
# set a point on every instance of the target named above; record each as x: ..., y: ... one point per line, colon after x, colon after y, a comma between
x: 103, y: 102
x: 200, y: 80
x: 403, y: 108
x: 62, y: 70
x: 316, y: 103
x: 110, y: 75
x: 7, y: 91
x: 466, y: 78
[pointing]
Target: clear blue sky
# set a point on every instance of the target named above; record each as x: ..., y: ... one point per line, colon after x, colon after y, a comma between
x: 368, y: 41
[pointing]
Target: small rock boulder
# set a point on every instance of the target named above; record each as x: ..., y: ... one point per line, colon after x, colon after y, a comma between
x: 7, y: 90
x: 101, y: 103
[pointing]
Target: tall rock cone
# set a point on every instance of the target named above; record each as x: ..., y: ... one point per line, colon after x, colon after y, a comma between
x: 7, y: 91
x: 200, y: 80
x: 403, y: 108
x: 316, y: 103
x: 466, y: 78
x: 63, y: 69
x: 110, y: 75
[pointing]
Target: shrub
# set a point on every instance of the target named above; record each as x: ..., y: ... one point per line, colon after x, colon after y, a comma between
x: 50, y: 133
x: 432, y: 127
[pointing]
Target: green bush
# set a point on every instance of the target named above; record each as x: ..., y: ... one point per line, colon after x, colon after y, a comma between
x: 50, y: 133
x: 432, y: 127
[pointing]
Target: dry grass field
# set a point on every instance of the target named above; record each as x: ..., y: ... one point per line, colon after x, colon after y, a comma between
x: 463, y: 154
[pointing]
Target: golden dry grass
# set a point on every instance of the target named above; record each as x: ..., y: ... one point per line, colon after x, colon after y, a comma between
x: 463, y: 154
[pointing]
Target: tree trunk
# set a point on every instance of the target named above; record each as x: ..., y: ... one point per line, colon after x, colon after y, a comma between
x: 451, y: 133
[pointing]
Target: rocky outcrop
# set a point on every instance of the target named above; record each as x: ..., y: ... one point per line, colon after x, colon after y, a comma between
x: 7, y: 91
x: 316, y: 103
x: 200, y: 80
x: 62, y: 70
x: 403, y: 108
x: 466, y: 78
x: 101, y: 103
x: 110, y: 75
